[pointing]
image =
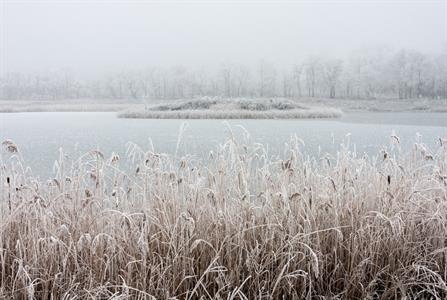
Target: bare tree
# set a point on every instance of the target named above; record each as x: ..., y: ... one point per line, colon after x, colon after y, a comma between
x: 331, y: 70
x: 297, y: 71
x: 311, y: 68
x: 367, y: 73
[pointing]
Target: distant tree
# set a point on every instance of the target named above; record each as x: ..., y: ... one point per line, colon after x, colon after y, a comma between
x: 312, y: 66
x: 242, y: 76
x: 366, y: 73
x: 331, y: 72
x: 287, y: 84
x: 266, y: 79
x: 227, y: 73
x: 297, y: 71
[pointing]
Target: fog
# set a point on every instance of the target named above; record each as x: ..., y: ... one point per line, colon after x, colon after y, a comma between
x: 99, y: 36
x: 223, y: 149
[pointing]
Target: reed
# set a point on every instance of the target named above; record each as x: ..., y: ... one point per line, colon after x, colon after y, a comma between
x: 238, y: 225
x: 239, y: 108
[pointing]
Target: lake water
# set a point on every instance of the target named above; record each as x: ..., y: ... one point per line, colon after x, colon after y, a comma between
x: 40, y: 135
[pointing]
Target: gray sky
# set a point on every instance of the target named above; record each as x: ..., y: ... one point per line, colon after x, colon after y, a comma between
x: 96, y: 36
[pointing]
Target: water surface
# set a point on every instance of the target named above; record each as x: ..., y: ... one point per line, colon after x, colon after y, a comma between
x: 40, y: 135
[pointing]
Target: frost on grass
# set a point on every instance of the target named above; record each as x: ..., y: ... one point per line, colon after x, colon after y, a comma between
x: 212, y: 108
x: 81, y: 105
x: 240, y: 225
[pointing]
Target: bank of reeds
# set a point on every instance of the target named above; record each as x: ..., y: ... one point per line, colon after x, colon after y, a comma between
x: 311, y: 113
x: 210, y: 108
x: 240, y: 226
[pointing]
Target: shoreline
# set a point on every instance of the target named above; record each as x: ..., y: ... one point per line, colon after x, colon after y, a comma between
x: 331, y: 107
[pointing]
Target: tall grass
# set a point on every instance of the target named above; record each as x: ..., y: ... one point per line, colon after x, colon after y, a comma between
x: 240, y: 226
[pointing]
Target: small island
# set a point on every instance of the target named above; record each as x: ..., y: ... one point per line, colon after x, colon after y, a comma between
x: 241, y: 108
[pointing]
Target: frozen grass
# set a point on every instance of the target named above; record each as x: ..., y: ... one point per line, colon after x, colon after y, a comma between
x: 232, y: 109
x: 234, y: 114
x: 61, y: 106
x: 380, y: 105
x: 146, y: 108
x: 205, y: 103
x: 97, y: 105
x: 241, y: 226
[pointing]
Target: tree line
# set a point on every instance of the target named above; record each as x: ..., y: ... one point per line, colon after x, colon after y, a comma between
x: 365, y: 74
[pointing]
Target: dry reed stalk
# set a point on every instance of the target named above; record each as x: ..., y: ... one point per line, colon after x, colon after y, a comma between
x: 242, y: 226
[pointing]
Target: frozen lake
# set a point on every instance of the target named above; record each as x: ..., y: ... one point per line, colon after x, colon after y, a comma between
x: 40, y: 135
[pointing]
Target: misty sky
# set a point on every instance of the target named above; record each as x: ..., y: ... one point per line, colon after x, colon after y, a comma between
x: 96, y: 36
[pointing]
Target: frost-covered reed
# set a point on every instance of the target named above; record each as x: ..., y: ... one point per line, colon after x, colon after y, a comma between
x: 239, y: 108
x: 311, y: 113
x: 240, y: 226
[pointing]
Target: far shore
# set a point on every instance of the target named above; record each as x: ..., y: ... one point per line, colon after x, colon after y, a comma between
x: 83, y: 105
x: 307, y: 107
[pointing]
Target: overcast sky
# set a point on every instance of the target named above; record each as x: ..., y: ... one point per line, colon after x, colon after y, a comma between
x: 93, y: 36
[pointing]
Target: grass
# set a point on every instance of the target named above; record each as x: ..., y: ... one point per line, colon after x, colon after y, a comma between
x: 81, y: 105
x: 210, y: 108
x: 240, y: 226
x: 233, y: 114
x: 380, y: 105
x: 206, y: 107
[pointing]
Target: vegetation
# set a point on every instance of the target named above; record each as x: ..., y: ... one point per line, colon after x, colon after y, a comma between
x: 365, y: 74
x: 238, y: 225
x: 213, y: 108
x: 323, y: 105
x: 14, y: 106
